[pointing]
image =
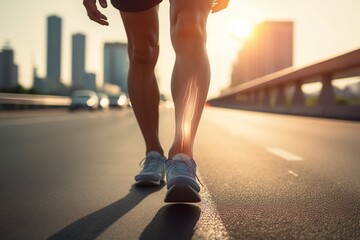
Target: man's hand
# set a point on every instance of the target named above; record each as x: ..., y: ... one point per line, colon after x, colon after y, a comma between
x: 219, y: 5
x: 93, y: 13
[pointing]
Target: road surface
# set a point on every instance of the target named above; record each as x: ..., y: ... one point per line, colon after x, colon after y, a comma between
x: 266, y: 176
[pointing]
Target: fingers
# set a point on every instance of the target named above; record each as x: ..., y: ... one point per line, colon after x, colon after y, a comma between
x: 103, y: 3
x: 99, y: 18
x: 93, y: 13
x: 219, y: 5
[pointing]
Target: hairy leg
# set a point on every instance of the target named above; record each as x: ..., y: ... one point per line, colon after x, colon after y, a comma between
x: 142, y: 29
x: 191, y: 74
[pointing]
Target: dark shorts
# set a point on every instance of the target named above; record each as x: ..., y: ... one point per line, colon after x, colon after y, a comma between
x: 134, y: 5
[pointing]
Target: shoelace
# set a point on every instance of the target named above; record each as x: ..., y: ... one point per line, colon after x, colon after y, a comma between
x: 147, y: 161
x: 181, y: 170
x: 143, y: 162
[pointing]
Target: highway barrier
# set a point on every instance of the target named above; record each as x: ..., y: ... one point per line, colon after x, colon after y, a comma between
x: 19, y: 101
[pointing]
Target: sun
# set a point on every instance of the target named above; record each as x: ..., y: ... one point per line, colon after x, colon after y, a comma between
x: 241, y: 30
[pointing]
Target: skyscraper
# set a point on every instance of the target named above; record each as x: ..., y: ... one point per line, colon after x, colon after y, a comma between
x: 53, y: 51
x: 116, y: 65
x: 80, y: 78
x: 78, y: 60
x: 8, y: 69
x: 270, y: 49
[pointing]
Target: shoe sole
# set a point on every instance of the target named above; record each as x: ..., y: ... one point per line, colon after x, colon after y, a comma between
x: 182, y: 193
x: 148, y: 183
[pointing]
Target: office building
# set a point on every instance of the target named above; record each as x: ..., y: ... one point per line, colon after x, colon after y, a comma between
x: 116, y: 65
x: 53, y: 70
x: 78, y: 60
x: 80, y: 78
x: 8, y: 69
x: 269, y: 50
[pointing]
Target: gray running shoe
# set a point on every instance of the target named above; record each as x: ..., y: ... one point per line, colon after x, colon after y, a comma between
x: 181, y: 181
x: 153, y: 171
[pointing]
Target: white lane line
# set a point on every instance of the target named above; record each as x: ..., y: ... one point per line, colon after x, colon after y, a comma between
x: 293, y: 173
x: 210, y: 225
x: 284, y: 154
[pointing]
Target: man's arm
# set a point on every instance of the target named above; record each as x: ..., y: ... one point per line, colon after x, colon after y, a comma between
x: 93, y: 13
x: 219, y: 5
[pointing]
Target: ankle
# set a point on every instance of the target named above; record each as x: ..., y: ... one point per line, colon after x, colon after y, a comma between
x: 180, y: 153
x: 155, y: 151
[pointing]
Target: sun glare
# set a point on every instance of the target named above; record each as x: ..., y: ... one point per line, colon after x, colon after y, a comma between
x: 241, y: 30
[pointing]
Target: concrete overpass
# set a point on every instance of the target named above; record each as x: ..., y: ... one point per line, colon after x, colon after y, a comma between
x: 269, y: 93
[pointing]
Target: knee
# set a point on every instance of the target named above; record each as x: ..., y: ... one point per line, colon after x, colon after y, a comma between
x: 144, y: 54
x: 188, y: 33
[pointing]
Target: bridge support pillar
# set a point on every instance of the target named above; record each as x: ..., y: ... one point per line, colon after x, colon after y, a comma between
x: 280, y: 96
x: 252, y: 98
x: 298, y: 98
x: 327, y: 95
x: 258, y: 98
x: 267, y: 98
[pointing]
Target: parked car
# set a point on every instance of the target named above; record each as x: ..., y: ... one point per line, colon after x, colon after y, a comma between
x: 84, y: 99
x: 104, y: 101
x: 118, y: 101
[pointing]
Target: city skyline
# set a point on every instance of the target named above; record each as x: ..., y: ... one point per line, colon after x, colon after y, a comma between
x: 116, y: 64
x: 52, y: 83
x: 318, y: 35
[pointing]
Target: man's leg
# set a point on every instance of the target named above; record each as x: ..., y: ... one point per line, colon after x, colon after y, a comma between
x: 190, y: 83
x: 191, y: 75
x: 142, y: 29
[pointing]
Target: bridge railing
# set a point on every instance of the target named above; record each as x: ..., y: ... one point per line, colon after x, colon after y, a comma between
x: 15, y: 101
x: 282, y: 92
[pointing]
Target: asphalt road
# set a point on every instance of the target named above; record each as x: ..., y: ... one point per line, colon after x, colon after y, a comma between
x: 265, y: 176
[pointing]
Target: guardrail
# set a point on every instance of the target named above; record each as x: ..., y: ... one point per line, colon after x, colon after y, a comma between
x: 13, y: 100
x: 269, y: 93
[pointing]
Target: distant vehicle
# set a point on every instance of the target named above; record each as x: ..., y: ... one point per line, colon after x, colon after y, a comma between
x: 104, y: 101
x: 118, y: 101
x: 84, y: 99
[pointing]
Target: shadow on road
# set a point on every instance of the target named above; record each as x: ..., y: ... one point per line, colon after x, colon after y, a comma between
x: 175, y: 221
x: 92, y: 225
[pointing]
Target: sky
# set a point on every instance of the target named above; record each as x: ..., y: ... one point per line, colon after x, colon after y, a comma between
x: 322, y: 29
